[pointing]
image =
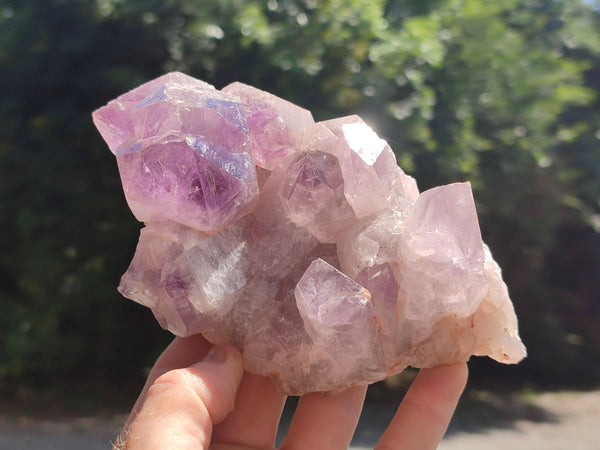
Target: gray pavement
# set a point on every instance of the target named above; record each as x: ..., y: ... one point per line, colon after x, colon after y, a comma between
x: 563, y: 420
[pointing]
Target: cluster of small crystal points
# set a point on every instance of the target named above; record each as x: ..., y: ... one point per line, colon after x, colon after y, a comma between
x: 302, y: 243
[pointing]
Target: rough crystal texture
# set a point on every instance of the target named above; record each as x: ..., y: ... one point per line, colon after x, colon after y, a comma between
x: 274, y: 124
x: 302, y: 243
x: 183, y: 150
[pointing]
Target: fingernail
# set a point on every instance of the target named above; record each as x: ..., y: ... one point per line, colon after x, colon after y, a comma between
x: 216, y: 355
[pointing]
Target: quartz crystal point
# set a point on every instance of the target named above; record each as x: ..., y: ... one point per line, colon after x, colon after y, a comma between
x: 302, y: 243
x: 274, y: 124
x: 183, y: 150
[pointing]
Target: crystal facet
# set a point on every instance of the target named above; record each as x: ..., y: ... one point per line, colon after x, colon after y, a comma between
x: 302, y: 243
x: 183, y: 150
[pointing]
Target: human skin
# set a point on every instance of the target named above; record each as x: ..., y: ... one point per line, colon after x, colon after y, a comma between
x: 198, y: 397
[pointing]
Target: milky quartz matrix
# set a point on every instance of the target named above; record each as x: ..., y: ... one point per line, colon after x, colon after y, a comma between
x: 302, y: 243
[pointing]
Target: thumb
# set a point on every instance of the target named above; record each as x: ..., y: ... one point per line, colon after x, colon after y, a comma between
x: 182, y: 405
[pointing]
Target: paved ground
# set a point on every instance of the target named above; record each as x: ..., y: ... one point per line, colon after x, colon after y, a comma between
x: 563, y: 420
x: 555, y: 421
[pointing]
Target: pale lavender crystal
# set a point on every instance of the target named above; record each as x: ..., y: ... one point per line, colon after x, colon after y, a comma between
x: 117, y: 122
x: 313, y: 195
x: 367, y: 160
x: 442, y: 255
x: 382, y: 284
x: 159, y: 244
x: 274, y: 124
x: 336, y: 311
x: 304, y: 244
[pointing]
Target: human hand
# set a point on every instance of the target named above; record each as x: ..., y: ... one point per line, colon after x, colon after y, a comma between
x: 214, y: 404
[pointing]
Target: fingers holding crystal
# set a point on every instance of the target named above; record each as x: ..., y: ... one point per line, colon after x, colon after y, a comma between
x: 181, y: 406
x: 425, y: 411
x: 325, y: 421
x: 182, y: 352
x: 254, y: 421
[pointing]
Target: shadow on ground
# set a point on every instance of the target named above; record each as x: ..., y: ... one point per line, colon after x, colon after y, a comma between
x: 478, y: 410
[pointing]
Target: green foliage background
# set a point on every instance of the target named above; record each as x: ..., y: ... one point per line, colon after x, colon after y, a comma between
x: 504, y: 94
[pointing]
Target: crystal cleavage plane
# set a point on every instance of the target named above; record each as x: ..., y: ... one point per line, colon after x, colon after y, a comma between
x: 304, y: 244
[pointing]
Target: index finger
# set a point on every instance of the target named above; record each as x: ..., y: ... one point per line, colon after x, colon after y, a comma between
x: 180, y: 353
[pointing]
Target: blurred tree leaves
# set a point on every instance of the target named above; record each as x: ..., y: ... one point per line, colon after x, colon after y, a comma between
x: 504, y: 94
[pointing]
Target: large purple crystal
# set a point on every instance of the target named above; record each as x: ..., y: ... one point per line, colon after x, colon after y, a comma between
x: 184, y: 152
x: 302, y: 243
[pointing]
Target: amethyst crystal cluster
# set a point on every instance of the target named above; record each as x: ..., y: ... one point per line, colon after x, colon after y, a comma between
x: 302, y: 243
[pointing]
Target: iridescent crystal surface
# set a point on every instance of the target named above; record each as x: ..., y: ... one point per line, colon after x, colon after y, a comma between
x: 302, y: 243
